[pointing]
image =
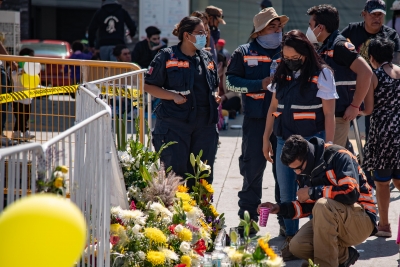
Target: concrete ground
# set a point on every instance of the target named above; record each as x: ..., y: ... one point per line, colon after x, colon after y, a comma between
x: 228, y: 181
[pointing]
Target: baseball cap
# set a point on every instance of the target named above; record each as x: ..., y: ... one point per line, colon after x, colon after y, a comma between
x: 266, y: 3
x: 221, y: 42
x: 216, y: 12
x: 372, y: 6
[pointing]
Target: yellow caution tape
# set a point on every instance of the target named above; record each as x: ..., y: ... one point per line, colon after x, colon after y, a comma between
x: 38, y: 92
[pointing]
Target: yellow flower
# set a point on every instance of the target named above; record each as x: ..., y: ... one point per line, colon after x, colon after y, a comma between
x: 186, y: 260
x: 114, y: 228
x: 184, y: 196
x: 214, y: 210
x: 185, y: 235
x: 155, y: 235
x: 58, y: 182
x: 183, y: 189
x: 187, y: 207
x: 63, y: 169
x: 271, y: 254
x: 207, y: 186
x: 236, y: 257
x: 155, y: 257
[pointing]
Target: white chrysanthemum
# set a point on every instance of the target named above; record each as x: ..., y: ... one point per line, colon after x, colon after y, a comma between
x: 116, y: 211
x: 132, y: 216
x: 160, y: 210
x: 178, y: 228
x: 169, y: 254
x: 184, y: 247
x: 142, y: 255
x: 136, y: 229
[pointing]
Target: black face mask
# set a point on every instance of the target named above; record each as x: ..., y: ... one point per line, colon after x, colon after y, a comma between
x: 294, y: 64
x: 153, y: 44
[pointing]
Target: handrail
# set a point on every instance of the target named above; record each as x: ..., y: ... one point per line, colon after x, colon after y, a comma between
x: 4, y: 152
x: 89, y: 63
x: 119, y: 76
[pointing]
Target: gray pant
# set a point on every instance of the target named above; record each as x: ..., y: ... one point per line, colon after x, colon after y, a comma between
x: 106, y: 53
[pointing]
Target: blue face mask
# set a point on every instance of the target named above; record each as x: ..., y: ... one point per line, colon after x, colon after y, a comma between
x: 270, y: 41
x: 201, y: 41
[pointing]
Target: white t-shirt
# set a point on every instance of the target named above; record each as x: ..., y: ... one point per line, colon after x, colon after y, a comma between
x: 326, y: 85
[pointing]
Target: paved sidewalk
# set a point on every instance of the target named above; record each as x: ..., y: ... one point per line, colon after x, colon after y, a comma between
x: 228, y: 181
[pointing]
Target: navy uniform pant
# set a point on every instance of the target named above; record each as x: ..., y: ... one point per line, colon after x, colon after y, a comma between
x: 252, y: 164
x: 190, y: 138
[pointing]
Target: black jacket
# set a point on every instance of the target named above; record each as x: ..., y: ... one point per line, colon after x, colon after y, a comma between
x: 142, y: 55
x: 334, y: 174
x: 110, y: 20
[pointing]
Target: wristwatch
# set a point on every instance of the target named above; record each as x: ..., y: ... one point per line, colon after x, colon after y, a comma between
x: 311, y: 191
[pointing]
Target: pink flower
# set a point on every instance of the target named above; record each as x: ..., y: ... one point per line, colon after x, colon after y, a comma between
x: 114, y: 239
x: 132, y: 206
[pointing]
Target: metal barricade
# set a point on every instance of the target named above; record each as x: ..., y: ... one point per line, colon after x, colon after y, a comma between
x: 126, y: 91
x: 38, y: 94
x: 85, y: 149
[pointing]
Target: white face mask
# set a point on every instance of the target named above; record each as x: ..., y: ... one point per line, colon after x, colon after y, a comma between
x: 311, y: 35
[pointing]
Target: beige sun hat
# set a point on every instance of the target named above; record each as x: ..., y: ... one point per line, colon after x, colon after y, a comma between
x: 264, y: 17
x: 216, y: 12
x: 396, y: 5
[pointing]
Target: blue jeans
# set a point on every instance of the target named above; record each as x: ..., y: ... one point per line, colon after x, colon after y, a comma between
x: 287, y: 183
x: 106, y: 53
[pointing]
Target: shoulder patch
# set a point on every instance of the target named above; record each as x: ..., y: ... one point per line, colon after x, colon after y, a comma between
x: 349, y: 46
x: 150, y: 71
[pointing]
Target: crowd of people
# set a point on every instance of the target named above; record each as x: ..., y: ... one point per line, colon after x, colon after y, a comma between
x: 299, y: 93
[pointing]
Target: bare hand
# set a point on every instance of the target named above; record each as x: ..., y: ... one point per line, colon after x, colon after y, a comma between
x: 267, y: 150
x: 207, y: 48
x: 351, y: 113
x: 265, y: 82
x: 302, y: 194
x: 218, y: 99
x: 179, y: 99
x: 274, y: 208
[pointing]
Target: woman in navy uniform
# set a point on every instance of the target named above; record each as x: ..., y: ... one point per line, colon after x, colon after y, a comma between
x: 185, y: 78
x: 303, y: 103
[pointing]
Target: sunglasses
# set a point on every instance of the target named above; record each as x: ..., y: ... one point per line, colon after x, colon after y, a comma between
x: 300, y: 167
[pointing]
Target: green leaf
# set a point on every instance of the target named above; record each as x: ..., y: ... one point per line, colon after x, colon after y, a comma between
x: 255, y: 226
x: 192, y: 159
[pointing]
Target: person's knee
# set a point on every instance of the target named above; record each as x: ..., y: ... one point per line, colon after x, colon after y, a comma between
x: 382, y: 184
x: 296, y: 246
x: 320, y: 206
x: 396, y: 183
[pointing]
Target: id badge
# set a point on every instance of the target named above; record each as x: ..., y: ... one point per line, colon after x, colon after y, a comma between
x: 252, y: 62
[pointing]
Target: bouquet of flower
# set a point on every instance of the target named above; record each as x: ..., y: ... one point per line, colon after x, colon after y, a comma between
x: 57, y: 182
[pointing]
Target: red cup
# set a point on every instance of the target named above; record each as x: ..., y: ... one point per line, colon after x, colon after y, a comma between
x: 264, y: 214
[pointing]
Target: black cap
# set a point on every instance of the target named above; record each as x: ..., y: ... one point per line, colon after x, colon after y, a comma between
x: 266, y: 3
x: 372, y: 6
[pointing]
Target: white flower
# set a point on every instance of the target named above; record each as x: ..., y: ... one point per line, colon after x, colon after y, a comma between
x: 194, y: 216
x: 132, y: 216
x: 137, y: 164
x: 178, y: 228
x: 116, y: 211
x: 153, y: 168
x: 142, y: 255
x: 169, y: 254
x: 196, y: 260
x: 136, y: 229
x: 160, y: 209
x: 58, y: 174
x: 185, y: 247
x: 277, y: 262
x: 204, y: 167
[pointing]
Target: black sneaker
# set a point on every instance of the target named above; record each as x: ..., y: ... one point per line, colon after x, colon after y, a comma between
x: 353, y: 257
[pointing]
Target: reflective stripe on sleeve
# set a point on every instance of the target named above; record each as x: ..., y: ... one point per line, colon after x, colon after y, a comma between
x: 346, y: 83
x: 305, y: 107
x: 179, y: 92
x: 331, y: 177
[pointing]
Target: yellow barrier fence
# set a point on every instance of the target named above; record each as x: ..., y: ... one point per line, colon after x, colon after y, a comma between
x: 37, y: 97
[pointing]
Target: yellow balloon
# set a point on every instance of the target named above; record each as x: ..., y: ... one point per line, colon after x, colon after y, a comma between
x: 41, y: 231
x: 30, y: 81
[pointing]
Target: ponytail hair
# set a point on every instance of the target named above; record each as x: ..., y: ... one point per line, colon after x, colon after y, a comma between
x: 187, y: 24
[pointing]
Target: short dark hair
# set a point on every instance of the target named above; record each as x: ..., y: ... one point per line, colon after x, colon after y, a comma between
x: 118, y: 49
x: 151, y: 30
x: 77, y: 46
x: 187, y: 24
x: 222, y: 58
x: 26, y: 51
x: 295, y: 148
x: 326, y: 15
x: 381, y: 49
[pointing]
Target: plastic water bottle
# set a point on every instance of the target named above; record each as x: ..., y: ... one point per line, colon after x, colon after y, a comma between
x: 219, y: 257
x: 272, y: 68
